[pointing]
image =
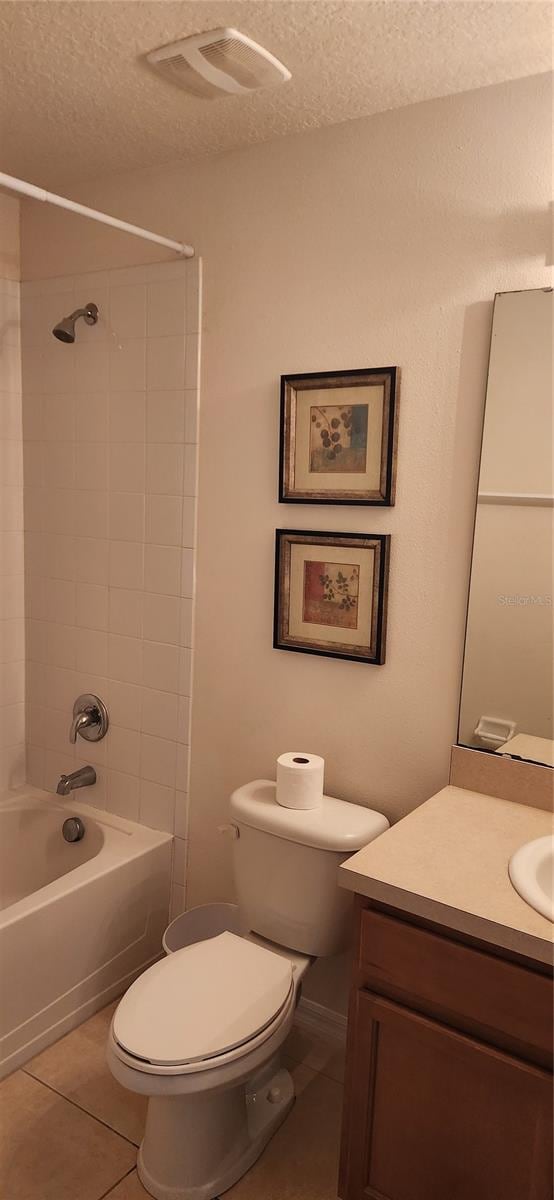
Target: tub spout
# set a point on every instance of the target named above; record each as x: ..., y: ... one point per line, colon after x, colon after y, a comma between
x: 84, y: 777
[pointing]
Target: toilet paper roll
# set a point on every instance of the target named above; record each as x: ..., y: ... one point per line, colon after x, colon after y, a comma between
x: 300, y: 780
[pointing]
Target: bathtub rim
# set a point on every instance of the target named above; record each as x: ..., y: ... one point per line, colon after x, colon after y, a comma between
x: 124, y: 840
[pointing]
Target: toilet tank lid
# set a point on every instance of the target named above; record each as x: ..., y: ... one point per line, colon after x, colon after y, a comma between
x: 337, y: 825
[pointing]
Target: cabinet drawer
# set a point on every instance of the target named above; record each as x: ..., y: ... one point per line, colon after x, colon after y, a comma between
x: 503, y: 1002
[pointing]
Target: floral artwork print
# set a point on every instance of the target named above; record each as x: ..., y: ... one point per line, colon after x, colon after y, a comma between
x: 331, y: 594
x: 338, y: 438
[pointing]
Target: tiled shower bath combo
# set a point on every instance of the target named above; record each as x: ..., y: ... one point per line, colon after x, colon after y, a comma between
x: 106, y: 434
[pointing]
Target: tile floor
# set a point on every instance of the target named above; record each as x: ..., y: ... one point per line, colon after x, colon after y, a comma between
x: 68, y: 1131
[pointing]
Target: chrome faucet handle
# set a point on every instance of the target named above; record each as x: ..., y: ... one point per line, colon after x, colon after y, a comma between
x: 80, y: 722
x: 90, y: 718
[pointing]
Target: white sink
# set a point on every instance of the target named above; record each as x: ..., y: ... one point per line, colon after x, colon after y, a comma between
x: 531, y: 871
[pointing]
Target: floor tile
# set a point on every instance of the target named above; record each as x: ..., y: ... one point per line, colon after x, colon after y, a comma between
x: 130, y: 1188
x: 314, y: 1052
x: 76, y: 1067
x: 50, y: 1150
x: 302, y: 1075
x: 301, y: 1161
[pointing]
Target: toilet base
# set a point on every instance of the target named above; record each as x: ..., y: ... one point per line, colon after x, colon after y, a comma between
x: 196, y: 1147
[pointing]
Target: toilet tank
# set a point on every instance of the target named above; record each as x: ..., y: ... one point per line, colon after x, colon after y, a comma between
x: 286, y: 864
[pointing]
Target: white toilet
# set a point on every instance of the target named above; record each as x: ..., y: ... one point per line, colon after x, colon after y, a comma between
x: 199, y: 1033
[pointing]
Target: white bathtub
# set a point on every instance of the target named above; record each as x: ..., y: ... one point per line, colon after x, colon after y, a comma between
x: 79, y: 920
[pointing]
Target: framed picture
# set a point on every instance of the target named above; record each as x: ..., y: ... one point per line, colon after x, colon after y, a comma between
x: 331, y: 593
x: 338, y: 437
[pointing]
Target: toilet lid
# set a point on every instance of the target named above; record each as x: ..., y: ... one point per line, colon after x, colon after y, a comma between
x: 202, y: 1001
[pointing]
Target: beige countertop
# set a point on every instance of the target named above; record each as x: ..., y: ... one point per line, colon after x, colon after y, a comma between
x: 447, y: 861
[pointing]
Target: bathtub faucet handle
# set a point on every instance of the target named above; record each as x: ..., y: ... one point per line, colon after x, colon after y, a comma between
x: 80, y: 722
x: 90, y: 718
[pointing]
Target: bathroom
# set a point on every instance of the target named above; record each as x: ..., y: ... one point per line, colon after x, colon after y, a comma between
x: 360, y: 216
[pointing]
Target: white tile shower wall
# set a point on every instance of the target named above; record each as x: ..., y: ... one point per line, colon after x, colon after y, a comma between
x: 12, y: 639
x: 110, y: 525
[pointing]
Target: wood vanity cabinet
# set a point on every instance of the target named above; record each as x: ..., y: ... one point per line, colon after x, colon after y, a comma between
x: 448, y: 1092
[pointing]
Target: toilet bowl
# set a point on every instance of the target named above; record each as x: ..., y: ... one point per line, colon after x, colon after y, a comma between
x: 199, y: 1033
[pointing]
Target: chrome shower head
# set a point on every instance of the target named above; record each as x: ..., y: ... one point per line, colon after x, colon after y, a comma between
x: 65, y: 329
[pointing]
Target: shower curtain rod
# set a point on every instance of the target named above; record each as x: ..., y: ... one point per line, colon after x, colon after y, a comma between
x: 37, y: 193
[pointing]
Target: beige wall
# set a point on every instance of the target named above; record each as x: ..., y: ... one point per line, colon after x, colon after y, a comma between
x: 9, y: 237
x: 12, y: 643
x: 377, y: 242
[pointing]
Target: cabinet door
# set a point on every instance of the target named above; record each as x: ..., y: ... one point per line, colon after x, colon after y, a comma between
x: 434, y: 1115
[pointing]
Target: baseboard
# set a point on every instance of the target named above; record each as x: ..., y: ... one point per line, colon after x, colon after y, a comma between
x: 321, y: 1022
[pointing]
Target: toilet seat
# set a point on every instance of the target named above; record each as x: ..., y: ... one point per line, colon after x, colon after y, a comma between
x: 202, y: 1005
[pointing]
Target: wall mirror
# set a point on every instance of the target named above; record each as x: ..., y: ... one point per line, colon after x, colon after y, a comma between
x: 507, y: 688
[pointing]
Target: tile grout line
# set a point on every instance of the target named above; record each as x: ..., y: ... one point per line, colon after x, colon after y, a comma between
x: 316, y: 1070
x: 106, y: 1195
x: 331, y: 1078
x: 50, y: 1087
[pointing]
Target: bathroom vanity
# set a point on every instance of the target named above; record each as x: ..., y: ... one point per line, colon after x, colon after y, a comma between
x: 449, y: 1057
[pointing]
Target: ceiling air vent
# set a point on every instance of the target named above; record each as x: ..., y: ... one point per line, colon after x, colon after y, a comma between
x: 223, y: 60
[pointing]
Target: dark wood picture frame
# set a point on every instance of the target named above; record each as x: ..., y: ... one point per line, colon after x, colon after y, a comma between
x: 372, y: 648
x: 293, y: 491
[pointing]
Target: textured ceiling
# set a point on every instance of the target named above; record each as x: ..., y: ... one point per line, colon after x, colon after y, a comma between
x: 77, y: 99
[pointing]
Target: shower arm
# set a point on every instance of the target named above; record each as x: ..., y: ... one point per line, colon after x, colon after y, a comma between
x: 37, y: 193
